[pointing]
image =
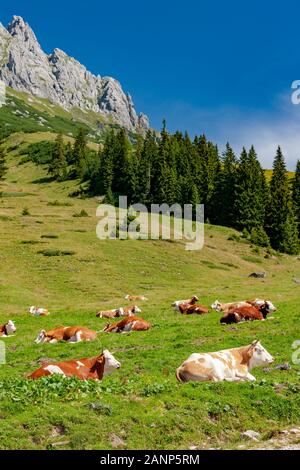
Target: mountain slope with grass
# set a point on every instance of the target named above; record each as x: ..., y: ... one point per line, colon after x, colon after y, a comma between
x: 32, y: 115
x: 50, y: 257
x: 62, y: 79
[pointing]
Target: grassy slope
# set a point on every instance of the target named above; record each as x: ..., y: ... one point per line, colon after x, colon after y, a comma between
x: 142, y: 403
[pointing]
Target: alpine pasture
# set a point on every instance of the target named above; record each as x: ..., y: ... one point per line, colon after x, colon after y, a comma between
x: 50, y: 257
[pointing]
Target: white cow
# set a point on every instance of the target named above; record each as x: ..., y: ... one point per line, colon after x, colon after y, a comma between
x: 231, y: 365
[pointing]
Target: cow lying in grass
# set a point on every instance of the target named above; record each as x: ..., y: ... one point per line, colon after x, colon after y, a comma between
x: 246, y: 313
x: 232, y: 365
x: 119, y: 312
x: 87, y: 368
x: 188, y: 309
x: 131, y: 323
x: 135, y: 298
x: 8, y: 329
x: 38, y: 311
x: 191, y: 301
x: 260, y: 302
x: 71, y: 334
x: 225, y: 307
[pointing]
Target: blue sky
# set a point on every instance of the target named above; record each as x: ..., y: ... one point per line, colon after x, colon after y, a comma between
x: 222, y: 68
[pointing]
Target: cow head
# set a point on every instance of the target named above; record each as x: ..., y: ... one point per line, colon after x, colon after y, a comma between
x: 136, y: 309
x: 194, y: 299
x: 10, y: 327
x: 216, y: 305
x: 271, y: 306
x: 259, y: 356
x: 45, y: 337
x: 109, y: 362
x: 42, y: 337
x: 31, y: 309
x: 120, y: 312
x: 127, y: 297
x: 264, y: 309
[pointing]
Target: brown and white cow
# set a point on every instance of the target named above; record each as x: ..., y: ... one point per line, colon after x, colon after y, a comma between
x: 225, y: 307
x: 8, y: 329
x: 260, y: 302
x: 248, y: 313
x: 135, y: 298
x: 87, y: 368
x: 71, y: 334
x: 109, y: 313
x: 191, y: 301
x: 119, y: 312
x: 192, y: 308
x: 38, y: 311
x: 131, y: 323
x: 130, y: 311
x: 231, y: 365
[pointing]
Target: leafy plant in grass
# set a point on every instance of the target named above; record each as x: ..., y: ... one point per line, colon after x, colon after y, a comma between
x: 252, y: 259
x: 53, y: 253
x: 52, y: 387
x: 82, y: 213
x: 25, y: 211
x: 5, y: 218
x: 30, y: 242
x: 155, y: 389
x: 100, y: 408
x: 3, y: 167
x: 15, y: 194
x: 59, y: 204
x: 50, y: 236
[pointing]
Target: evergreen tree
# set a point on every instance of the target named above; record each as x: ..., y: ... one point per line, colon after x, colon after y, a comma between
x: 106, y: 170
x: 58, y: 165
x: 296, y: 194
x: 199, y: 167
x: 281, y: 223
x: 165, y: 186
x: 249, y: 197
x: 121, y: 163
x: 3, y: 167
x: 290, y: 241
x: 146, y: 169
x: 225, y: 196
x: 213, y: 172
x: 69, y: 154
x: 80, y: 153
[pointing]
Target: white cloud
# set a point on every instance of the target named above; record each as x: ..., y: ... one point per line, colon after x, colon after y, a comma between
x: 265, y: 129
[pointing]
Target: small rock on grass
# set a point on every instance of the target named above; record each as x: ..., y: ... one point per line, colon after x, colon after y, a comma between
x: 253, y: 435
x: 295, y: 431
x: 116, y: 441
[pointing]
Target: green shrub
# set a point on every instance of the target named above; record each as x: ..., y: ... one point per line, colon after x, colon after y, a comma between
x: 49, y: 236
x: 82, y: 213
x: 259, y: 237
x: 245, y: 233
x: 5, y: 218
x: 25, y: 211
x: 59, y: 204
x: 50, y: 253
x: 234, y: 237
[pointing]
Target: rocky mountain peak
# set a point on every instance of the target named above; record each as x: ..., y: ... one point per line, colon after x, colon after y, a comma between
x: 18, y: 28
x: 60, y: 78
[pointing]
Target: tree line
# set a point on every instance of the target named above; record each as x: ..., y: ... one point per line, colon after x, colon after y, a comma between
x: 173, y: 168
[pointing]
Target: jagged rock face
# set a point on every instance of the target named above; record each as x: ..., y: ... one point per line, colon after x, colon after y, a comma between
x: 24, y: 66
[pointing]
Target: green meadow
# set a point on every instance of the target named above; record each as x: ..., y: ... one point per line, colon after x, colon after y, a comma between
x: 51, y: 258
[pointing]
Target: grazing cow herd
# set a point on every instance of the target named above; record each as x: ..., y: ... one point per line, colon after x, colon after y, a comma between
x: 229, y: 364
